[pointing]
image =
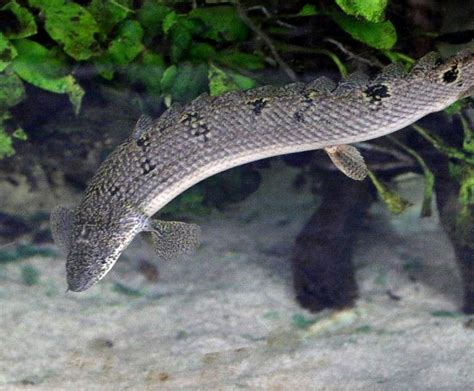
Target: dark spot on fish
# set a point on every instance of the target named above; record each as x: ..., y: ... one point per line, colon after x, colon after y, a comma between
x: 197, y: 125
x: 451, y: 75
x: 201, y: 130
x: 377, y: 92
x: 114, y: 190
x: 299, y: 116
x: 143, y: 141
x: 258, y: 105
x: 188, y: 118
x: 308, y: 99
x: 147, y: 166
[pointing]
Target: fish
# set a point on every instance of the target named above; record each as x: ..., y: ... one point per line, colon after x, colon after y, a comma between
x: 187, y: 144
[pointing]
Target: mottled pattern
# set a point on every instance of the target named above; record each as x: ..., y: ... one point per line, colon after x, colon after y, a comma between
x: 172, y: 238
x: 349, y: 160
x: 167, y: 156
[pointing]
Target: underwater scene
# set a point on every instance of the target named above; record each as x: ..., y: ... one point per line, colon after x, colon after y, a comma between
x: 223, y: 195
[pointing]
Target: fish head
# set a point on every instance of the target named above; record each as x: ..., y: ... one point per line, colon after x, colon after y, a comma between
x: 450, y: 79
x: 96, y: 246
x: 458, y: 72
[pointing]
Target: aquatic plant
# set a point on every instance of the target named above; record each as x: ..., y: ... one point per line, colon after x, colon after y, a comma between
x: 175, y: 51
x: 172, y: 49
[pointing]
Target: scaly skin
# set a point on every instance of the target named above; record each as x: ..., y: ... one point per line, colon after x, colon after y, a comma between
x: 213, y: 134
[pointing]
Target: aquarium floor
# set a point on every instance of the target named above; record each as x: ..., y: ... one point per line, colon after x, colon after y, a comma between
x: 226, y: 318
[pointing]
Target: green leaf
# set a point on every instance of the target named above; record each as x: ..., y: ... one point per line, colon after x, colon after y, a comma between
x: 181, y: 34
x: 127, y: 45
x: 7, y: 52
x: 201, y: 52
x: 394, y: 56
x: 222, y: 23
x: 36, y: 65
x: 466, y: 192
x: 109, y: 13
x: 148, y: 71
x: 428, y: 174
x: 71, y: 25
x: 24, y: 23
x: 372, y: 10
x: 151, y: 16
x: 180, y: 31
x: 169, y: 21
x: 244, y: 82
x: 182, y: 40
x: 184, y: 82
x: 395, y: 203
x: 169, y: 77
x: 232, y: 58
x: 20, y: 134
x: 308, y: 10
x: 12, y: 90
x: 221, y: 82
x: 123, y: 49
x: 6, y: 142
x: 380, y: 35
x: 455, y: 108
x: 468, y: 142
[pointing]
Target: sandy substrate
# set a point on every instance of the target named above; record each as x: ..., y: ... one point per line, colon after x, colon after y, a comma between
x: 226, y: 319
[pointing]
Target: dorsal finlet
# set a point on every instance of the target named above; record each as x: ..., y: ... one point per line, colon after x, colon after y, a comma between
x: 428, y: 61
x: 172, y: 113
x: 322, y: 85
x: 354, y: 81
x: 395, y: 70
x: 144, y: 123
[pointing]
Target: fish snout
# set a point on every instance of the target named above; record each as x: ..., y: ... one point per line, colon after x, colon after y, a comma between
x: 83, y: 271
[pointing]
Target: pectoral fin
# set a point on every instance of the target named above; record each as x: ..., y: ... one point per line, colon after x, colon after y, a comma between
x: 349, y: 160
x: 173, y: 238
x: 61, y: 222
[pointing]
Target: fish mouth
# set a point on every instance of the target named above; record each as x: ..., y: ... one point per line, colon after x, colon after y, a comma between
x: 75, y: 284
x: 83, y: 272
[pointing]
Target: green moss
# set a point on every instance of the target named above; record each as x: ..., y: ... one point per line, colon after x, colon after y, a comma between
x: 125, y: 290
x: 364, y: 329
x: 302, y: 322
x: 30, y: 275
x: 24, y: 251
x: 446, y: 314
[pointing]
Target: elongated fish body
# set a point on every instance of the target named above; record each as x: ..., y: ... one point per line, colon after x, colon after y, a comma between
x: 166, y: 156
